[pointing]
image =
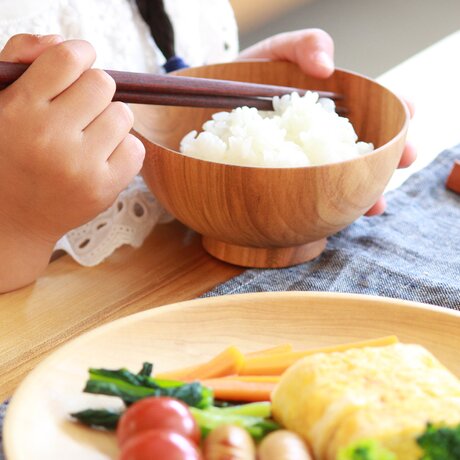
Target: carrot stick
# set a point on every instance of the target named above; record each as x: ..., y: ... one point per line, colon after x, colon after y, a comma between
x: 235, y: 390
x: 283, y: 348
x: 228, y: 362
x: 276, y: 364
x: 191, y: 372
x: 178, y: 374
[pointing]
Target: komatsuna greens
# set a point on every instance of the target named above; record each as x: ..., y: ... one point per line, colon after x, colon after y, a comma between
x: 130, y: 387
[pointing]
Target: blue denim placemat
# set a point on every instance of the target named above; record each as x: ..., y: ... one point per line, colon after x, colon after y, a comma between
x: 410, y: 252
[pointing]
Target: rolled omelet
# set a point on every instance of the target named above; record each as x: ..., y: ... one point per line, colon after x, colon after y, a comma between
x: 386, y: 393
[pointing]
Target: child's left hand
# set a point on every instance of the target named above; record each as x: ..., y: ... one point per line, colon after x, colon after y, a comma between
x: 313, y: 51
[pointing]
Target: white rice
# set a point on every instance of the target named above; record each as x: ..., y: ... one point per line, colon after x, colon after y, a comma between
x: 302, y: 131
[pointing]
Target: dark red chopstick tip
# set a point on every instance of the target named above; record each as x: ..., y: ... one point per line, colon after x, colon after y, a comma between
x: 453, y: 181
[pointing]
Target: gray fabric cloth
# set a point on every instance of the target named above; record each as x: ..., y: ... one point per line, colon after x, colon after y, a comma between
x: 3, y: 408
x: 410, y: 252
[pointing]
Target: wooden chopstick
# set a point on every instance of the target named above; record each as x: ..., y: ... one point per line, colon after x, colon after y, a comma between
x: 171, y: 84
x: 192, y: 100
x: 188, y: 100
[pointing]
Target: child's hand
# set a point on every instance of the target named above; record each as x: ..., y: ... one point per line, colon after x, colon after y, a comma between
x: 65, y: 150
x: 313, y: 51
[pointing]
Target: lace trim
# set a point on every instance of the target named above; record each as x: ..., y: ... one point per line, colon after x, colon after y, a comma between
x: 128, y: 221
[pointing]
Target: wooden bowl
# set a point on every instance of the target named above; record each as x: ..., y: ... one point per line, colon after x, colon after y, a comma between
x: 272, y: 217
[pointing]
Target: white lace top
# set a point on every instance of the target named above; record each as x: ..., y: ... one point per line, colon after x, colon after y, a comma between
x: 205, y: 32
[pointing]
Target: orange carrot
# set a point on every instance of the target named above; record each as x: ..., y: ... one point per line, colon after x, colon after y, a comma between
x: 228, y: 362
x: 236, y: 390
x: 191, y: 372
x: 178, y: 374
x: 283, y: 348
x: 276, y: 364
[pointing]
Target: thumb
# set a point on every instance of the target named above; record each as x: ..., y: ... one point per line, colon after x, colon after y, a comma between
x: 26, y: 48
x: 314, y: 51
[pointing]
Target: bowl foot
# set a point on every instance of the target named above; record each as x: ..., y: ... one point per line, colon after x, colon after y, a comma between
x: 247, y: 256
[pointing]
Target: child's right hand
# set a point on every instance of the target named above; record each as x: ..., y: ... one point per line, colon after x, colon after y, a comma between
x: 65, y: 148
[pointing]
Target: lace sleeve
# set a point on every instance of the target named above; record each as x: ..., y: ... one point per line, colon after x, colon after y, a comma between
x: 128, y: 221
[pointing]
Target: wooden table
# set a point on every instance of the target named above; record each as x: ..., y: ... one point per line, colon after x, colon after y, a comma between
x: 171, y: 265
x: 69, y: 299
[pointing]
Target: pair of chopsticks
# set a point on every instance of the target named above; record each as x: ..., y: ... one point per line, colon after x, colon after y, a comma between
x: 142, y: 88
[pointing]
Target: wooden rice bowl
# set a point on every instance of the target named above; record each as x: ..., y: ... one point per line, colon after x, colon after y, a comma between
x: 272, y: 217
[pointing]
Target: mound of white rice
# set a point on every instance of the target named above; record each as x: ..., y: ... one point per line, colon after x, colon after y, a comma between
x: 301, y: 131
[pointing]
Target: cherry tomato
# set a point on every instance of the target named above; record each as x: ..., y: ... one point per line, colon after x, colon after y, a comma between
x: 160, y: 414
x: 159, y: 445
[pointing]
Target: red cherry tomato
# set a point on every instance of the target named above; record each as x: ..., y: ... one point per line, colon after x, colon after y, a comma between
x: 159, y: 445
x: 157, y: 414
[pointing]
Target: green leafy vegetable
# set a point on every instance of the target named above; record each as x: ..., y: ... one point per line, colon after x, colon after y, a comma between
x: 256, y: 409
x: 133, y: 387
x: 99, y: 418
x: 147, y: 369
x: 253, y: 419
x: 365, y: 449
x: 440, y: 443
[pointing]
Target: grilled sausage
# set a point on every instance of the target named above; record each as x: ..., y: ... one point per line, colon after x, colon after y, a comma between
x: 283, y: 445
x: 229, y: 442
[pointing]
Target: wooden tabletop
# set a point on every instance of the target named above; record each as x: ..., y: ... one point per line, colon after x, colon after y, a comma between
x: 69, y: 299
x: 171, y: 265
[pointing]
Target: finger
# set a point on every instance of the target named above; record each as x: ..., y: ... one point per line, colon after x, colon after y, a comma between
x: 378, y: 208
x: 55, y: 70
x: 311, y: 49
x: 315, y: 53
x: 26, y: 48
x: 126, y: 161
x: 108, y: 130
x: 409, y: 155
x: 89, y: 96
x: 409, y: 104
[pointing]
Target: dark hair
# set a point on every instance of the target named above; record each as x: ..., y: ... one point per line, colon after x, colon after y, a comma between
x: 156, y: 17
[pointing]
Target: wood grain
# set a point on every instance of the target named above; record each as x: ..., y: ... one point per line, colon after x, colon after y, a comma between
x: 70, y: 299
x: 191, y: 332
x: 270, y: 217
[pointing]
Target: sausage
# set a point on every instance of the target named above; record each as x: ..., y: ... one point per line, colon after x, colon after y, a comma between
x: 229, y: 442
x: 283, y: 445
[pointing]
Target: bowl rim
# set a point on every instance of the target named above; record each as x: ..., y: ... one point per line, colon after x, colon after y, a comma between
x: 402, y: 132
